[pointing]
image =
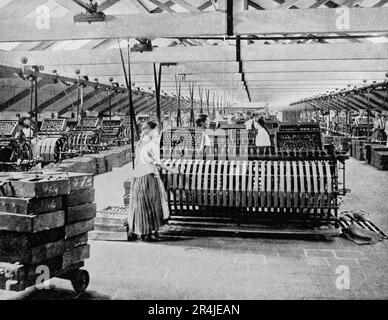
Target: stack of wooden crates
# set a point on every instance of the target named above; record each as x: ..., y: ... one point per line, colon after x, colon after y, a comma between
x: 44, y: 221
x: 98, y: 163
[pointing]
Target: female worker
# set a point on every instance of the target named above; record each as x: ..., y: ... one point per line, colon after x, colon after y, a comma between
x: 378, y: 127
x: 203, y: 123
x: 263, y: 141
x: 385, y: 121
x: 148, y: 199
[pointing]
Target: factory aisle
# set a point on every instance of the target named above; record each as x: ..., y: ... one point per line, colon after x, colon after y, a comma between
x: 109, y: 186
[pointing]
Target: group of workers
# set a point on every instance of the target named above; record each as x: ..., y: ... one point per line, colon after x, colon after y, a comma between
x: 380, y: 125
x: 378, y: 130
x: 251, y: 121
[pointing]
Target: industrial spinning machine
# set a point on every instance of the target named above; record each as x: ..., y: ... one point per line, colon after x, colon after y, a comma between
x: 15, y: 148
x: 239, y: 144
x: 294, y: 181
x: 225, y: 144
x: 364, y: 129
x: 113, y: 131
x: 86, y: 137
x: 52, y: 144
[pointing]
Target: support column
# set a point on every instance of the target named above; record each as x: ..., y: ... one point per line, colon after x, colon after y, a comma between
x: 191, y: 90
x: 157, y: 79
x: 178, y: 86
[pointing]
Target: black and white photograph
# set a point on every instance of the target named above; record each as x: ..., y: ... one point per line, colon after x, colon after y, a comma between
x: 188, y: 156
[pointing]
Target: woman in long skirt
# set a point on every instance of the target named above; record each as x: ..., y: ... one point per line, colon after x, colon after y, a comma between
x: 148, y: 199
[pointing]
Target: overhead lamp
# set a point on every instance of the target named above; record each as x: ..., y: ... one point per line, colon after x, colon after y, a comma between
x: 55, y: 79
x: 91, y: 15
x: 168, y: 64
x: 144, y: 44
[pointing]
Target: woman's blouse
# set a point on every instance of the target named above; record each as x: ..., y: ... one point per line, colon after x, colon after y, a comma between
x: 262, y: 138
x: 146, y: 158
x: 378, y: 124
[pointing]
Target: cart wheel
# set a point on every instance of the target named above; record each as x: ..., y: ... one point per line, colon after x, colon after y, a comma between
x: 80, y: 281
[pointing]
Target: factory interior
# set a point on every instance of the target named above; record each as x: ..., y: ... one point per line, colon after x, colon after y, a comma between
x: 264, y: 123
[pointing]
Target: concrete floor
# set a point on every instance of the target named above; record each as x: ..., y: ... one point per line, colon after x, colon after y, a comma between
x: 236, y: 268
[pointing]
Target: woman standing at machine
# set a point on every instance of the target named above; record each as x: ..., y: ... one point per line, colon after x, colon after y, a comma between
x: 203, y: 123
x: 263, y: 140
x: 378, y: 127
x: 385, y: 121
x: 148, y: 199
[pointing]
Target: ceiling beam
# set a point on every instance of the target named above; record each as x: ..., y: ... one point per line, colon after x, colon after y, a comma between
x: 201, y: 68
x: 312, y: 76
x: 316, y: 51
x: 316, y: 66
x: 309, y: 21
x: 117, y: 26
x: 342, y: 51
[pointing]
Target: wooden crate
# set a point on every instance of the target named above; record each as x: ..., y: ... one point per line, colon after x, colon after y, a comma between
x: 111, y: 224
x: 31, y: 223
x: 78, y: 197
x: 380, y: 160
x: 36, y: 254
x: 77, y: 228
x: 82, y: 165
x: 37, y: 187
x: 80, y: 213
x: 30, y: 205
x: 18, y: 244
x: 372, y: 147
x: 76, y: 254
x: 76, y: 241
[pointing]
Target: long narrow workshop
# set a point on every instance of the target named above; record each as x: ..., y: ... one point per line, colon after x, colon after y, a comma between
x: 193, y: 149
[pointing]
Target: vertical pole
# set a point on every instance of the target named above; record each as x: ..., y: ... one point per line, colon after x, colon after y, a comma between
x: 157, y: 93
x: 81, y: 117
x: 207, y: 93
x: 214, y: 107
x: 110, y: 107
x: 368, y: 112
x: 178, y: 92
x: 328, y: 123
x: 36, y: 106
x: 337, y: 113
x: 348, y: 113
x: 229, y: 17
x: 31, y: 104
x: 134, y: 127
x: 78, y: 99
x: 191, y: 90
x: 131, y: 110
x: 200, y: 99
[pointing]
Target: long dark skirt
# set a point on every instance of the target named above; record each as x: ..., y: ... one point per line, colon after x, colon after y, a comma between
x: 145, y: 205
